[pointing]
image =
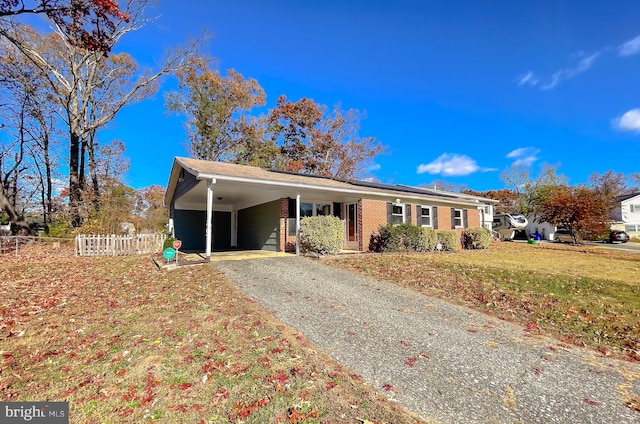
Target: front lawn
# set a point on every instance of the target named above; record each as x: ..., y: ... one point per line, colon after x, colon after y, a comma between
x: 581, y: 295
x: 125, y: 342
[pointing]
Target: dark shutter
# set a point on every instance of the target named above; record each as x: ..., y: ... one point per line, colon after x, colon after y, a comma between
x: 292, y: 208
x: 464, y: 218
x: 418, y: 216
x: 389, y: 212
x: 434, y: 218
x: 407, y: 208
x: 337, y: 210
x: 453, y: 218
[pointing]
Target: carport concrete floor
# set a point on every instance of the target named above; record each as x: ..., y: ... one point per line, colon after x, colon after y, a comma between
x: 447, y: 363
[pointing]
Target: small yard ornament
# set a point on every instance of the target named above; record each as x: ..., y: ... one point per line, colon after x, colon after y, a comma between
x: 169, y: 253
x: 439, y: 247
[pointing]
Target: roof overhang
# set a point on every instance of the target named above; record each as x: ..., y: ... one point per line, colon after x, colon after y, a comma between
x: 243, y: 191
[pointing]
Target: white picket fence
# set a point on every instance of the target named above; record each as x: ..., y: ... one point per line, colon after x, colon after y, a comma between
x: 118, y: 245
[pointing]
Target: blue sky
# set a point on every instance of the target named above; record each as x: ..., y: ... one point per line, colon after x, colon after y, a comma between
x: 456, y: 90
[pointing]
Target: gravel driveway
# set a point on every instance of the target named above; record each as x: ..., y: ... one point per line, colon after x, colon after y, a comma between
x: 447, y: 363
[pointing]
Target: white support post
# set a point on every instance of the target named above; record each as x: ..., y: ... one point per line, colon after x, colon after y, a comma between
x: 209, y: 215
x: 298, y: 224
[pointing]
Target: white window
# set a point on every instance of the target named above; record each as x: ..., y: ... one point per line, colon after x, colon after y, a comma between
x: 397, y: 213
x: 315, y: 209
x: 425, y: 214
x: 630, y: 228
x: 458, y: 218
x: 634, y: 208
x: 310, y: 209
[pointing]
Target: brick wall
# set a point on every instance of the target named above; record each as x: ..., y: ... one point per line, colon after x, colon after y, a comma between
x: 444, y: 218
x: 473, y: 216
x: 283, y: 234
x: 373, y: 214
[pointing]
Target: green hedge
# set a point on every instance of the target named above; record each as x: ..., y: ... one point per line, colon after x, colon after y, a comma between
x: 396, y: 238
x: 449, y: 240
x: 409, y: 238
x: 429, y: 240
x: 321, y: 234
x: 168, y: 242
x: 476, y: 238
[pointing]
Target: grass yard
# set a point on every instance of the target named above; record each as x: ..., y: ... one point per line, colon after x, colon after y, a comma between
x: 125, y: 342
x: 582, y: 295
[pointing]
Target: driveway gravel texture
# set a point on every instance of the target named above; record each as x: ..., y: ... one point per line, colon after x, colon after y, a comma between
x: 445, y: 362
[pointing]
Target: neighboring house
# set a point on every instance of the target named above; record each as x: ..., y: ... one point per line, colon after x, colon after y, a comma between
x: 626, y: 215
x: 545, y: 229
x: 255, y: 208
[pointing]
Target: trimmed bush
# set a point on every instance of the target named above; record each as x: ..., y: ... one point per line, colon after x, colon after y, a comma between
x: 168, y: 242
x: 448, y: 239
x: 428, y: 240
x: 396, y: 238
x: 321, y: 234
x: 476, y: 238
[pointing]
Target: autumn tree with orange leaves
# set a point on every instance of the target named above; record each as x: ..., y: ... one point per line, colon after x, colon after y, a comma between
x: 580, y: 209
x: 215, y: 107
x: 86, y: 23
x: 312, y: 141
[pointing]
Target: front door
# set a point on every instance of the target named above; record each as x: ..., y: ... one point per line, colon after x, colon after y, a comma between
x: 352, y: 227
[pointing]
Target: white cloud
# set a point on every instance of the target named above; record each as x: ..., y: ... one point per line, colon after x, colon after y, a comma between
x: 630, y: 121
x: 567, y: 73
x: 629, y: 48
x: 524, y: 156
x: 451, y: 165
x: 373, y: 167
x: 528, y: 79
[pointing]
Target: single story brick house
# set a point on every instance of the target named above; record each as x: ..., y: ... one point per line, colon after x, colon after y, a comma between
x: 217, y: 206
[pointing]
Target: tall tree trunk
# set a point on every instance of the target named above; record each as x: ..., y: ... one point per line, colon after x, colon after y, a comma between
x: 75, y: 186
x: 48, y: 183
x: 93, y: 172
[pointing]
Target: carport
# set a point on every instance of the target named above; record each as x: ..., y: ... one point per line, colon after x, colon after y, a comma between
x: 219, y: 206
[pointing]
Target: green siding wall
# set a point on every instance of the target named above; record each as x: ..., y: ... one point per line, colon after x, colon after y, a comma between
x: 258, y: 227
x: 190, y: 228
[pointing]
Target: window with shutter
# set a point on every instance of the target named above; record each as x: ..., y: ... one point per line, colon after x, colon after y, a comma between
x: 424, y: 217
x: 395, y: 213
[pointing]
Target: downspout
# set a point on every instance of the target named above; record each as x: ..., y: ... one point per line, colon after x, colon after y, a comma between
x: 298, y: 224
x: 209, y: 215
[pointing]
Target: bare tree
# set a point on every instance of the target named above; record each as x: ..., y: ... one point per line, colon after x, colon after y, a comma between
x: 25, y: 158
x: 91, y: 88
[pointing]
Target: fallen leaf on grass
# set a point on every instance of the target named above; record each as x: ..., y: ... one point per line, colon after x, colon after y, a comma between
x: 296, y: 416
x: 592, y: 402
